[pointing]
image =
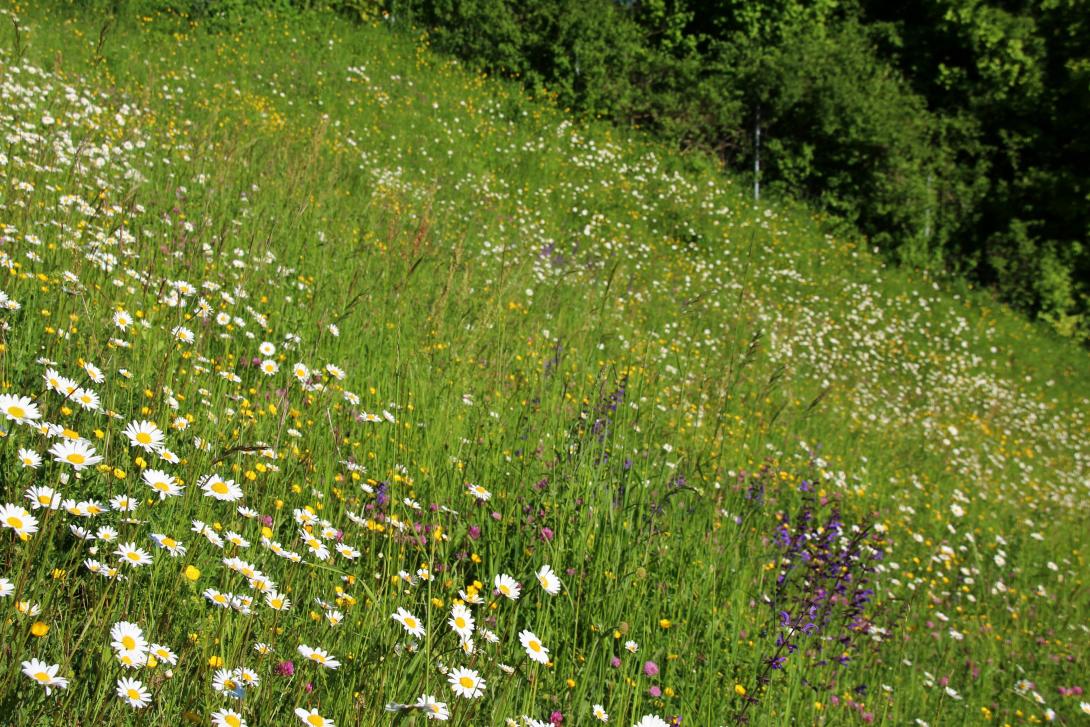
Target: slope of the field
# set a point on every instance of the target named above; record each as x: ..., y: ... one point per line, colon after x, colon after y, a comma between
x: 308, y: 330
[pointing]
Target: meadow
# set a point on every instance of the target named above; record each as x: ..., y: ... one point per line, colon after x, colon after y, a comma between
x: 342, y: 386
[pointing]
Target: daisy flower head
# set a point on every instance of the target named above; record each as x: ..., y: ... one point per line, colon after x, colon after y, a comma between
x: 75, y: 452
x: 18, y: 519
x: 466, y: 683
x: 60, y: 384
x: 347, y: 551
x: 127, y: 636
x: 30, y: 458
x: 145, y: 434
x: 508, y: 586
x: 534, y: 648
x: 227, y: 718
x: 123, y: 503
x: 221, y: 489
x: 432, y: 708
x: 651, y: 720
x: 163, y: 654
x: 168, y: 544
x: 122, y: 319
x: 479, y: 492
x: 267, y: 349
x: 45, y: 674
x: 229, y: 682
x: 43, y: 496
x: 130, y: 555
x: 27, y: 608
x: 94, y: 373
x: 269, y: 367
x: 548, y: 580
x: 216, y: 598
x: 182, y: 334
x: 631, y: 646
x: 471, y: 595
x: 19, y: 409
x: 277, y: 601
x: 162, y: 483
x: 599, y: 713
x: 461, y: 620
x: 319, y: 656
x: 133, y: 692
x: 312, y: 718
x: 87, y: 399
x: 411, y: 623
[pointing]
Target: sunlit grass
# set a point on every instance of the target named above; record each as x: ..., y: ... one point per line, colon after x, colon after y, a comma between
x: 436, y: 335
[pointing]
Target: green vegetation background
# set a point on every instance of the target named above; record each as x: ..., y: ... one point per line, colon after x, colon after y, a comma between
x: 512, y: 276
x: 950, y: 132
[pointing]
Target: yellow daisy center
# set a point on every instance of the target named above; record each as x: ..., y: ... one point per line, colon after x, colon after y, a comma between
x: 466, y: 682
x: 535, y: 645
x: 233, y: 720
x: 220, y: 487
x: 15, y: 522
x: 76, y: 458
x: 128, y: 641
x: 132, y: 555
x: 133, y: 695
x: 315, y: 720
x: 460, y: 622
x: 143, y: 438
x: 42, y: 676
x: 411, y: 623
x: 16, y: 411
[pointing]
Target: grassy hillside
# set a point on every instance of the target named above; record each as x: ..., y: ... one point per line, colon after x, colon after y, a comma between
x: 404, y: 334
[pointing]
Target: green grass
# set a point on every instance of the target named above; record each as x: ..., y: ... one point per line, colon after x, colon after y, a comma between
x: 648, y: 373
